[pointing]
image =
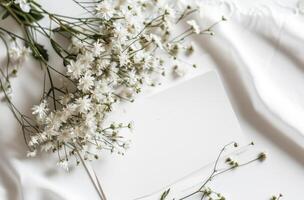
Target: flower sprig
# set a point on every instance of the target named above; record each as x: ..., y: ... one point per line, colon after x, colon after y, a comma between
x: 278, y: 197
x: 205, y: 192
x: 113, y: 53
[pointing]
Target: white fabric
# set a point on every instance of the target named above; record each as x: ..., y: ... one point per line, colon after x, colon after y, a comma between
x: 177, y: 131
x: 258, y: 53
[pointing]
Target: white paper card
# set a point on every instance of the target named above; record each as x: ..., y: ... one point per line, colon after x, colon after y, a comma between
x: 176, y: 132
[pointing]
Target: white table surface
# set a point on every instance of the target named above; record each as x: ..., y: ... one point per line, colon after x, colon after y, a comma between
x: 258, y: 53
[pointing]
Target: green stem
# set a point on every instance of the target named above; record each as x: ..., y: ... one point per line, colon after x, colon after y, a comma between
x: 100, y: 193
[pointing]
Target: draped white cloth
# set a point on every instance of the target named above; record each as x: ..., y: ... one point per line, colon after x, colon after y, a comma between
x: 258, y: 53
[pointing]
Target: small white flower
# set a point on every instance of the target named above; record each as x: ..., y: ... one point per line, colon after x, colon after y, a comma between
x: 156, y: 40
x: 139, y: 57
x: 126, y: 145
x: 43, y: 137
x: 75, y: 69
x: 47, y: 146
x: 134, y: 23
x: 121, y: 30
x: 105, y: 10
x: 123, y: 58
x: 40, y: 110
x: 80, y: 131
x: 65, y: 99
x: 64, y: 164
x: 103, y: 87
x: 194, y: 26
x: 170, y: 11
x: 90, y: 123
x: 100, y: 90
x: 51, y: 132
x: 71, y: 108
x: 31, y: 153
x: 109, y: 100
x: 53, y: 122
x: 18, y: 54
x: 179, y: 69
x: 86, y: 82
x: 24, y: 5
x: 86, y: 59
x: 34, y: 140
x: 99, y: 147
x: 64, y: 115
x: 103, y: 64
x: 97, y: 49
x: 66, y: 135
x: 84, y: 104
x: 132, y: 78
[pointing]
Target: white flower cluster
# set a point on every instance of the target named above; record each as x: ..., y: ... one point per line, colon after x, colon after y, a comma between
x: 133, y: 40
x: 17, y: 55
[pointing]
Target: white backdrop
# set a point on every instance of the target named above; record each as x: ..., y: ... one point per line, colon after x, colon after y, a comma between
x: 258, y: 53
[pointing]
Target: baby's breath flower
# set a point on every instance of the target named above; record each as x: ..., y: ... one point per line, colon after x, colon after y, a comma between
x: 97, y: 49
x: 84, y: 104
x: 64, y: 164
x: 189, y: 49
x: 40, y: 110
x: 86, y: 59
x: 194, y: 26
x: 105, y: 10
x: 123, y: 58
x: 86, y: 82
x: 34, y: 140
x: 170, y: 11
x: 31, y: 153
x: 75, y: 69
x: 18, y: 54
x: 47, y: 146
x: 128, y: 48
x: 126, y: 145
x: 156, y: 40
x: 179, y: 69
x: 66, y: 135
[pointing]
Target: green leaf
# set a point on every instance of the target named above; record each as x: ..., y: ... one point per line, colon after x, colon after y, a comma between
x: 30, y: 17
x: 56, y: 47
x: 35, y: 15
x: 165, y: 194
x: 5, y: 15
x: 42, y: 52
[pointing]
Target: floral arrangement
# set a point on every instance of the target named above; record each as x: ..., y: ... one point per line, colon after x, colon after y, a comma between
x: 108, y: 56
x: 111, y: 56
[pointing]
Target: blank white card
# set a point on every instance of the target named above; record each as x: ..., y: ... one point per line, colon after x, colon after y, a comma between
x: 177, y: 131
